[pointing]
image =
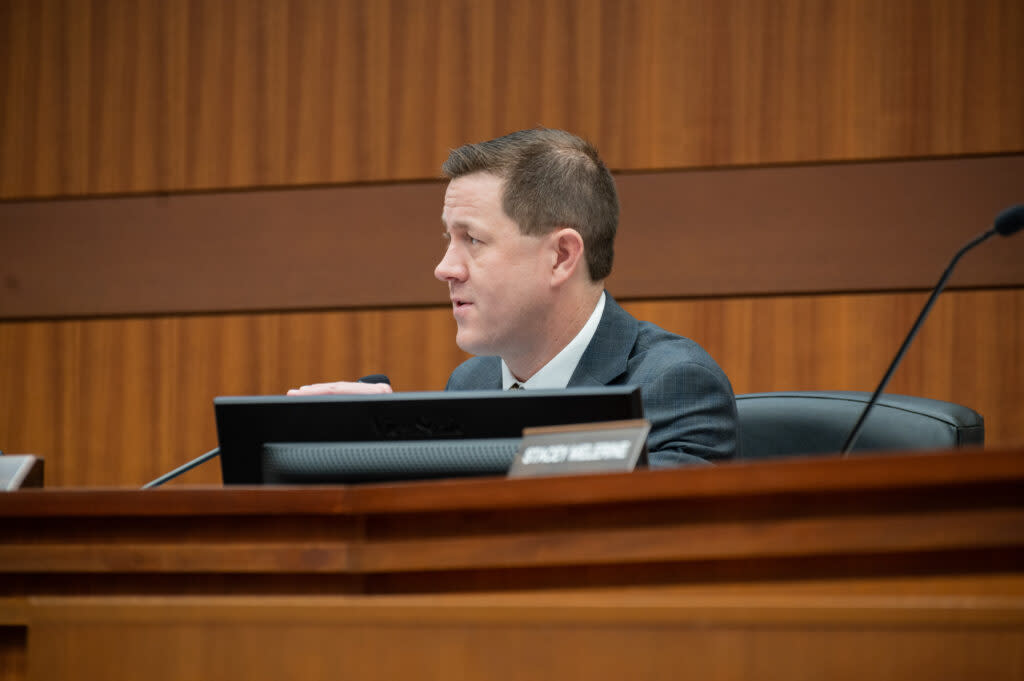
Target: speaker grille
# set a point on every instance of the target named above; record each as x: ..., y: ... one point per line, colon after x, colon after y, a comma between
x: 346, y: 462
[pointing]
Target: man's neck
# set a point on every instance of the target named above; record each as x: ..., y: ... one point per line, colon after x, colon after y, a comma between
x: 565, y: 322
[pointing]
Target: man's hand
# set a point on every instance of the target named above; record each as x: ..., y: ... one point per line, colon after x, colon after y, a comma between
x: 342, y: 388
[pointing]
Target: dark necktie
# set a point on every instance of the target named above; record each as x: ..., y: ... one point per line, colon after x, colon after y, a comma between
x: 515, y: 386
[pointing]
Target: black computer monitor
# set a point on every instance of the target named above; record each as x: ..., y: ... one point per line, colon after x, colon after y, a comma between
x: 399, y: 436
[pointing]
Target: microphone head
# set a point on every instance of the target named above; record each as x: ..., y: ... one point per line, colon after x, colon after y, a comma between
x: 375, y: 378
x: 1010, y: 220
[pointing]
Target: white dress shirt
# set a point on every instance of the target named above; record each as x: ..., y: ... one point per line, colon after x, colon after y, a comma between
x: 557, y: 372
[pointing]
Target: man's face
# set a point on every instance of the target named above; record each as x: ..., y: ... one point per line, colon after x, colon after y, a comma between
x: 498, y: 278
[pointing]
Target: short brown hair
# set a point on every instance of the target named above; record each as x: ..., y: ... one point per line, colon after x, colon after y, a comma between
x: 552, y: 179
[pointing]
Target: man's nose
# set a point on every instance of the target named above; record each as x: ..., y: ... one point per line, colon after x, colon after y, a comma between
x: 450, y: 268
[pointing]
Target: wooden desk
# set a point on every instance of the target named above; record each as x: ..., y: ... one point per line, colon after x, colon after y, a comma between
x: 891, y: 567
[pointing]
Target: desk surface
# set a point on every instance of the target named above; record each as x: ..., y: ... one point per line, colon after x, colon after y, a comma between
x: 884, y: 567
x: 795, y: 518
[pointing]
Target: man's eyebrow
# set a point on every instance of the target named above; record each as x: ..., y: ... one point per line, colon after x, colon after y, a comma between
x: 457, y: 225
x: 446, y: 229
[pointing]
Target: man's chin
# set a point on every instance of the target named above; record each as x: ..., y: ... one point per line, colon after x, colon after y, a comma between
x: 467, y: 342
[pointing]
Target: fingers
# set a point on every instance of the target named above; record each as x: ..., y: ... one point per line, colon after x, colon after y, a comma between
x: 342, y: 388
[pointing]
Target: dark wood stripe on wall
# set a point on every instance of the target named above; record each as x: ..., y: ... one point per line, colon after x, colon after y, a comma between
x: 770, y: 230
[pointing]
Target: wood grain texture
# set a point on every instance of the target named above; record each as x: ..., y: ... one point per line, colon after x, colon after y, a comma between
x: 814, y: 511
x: 894, y: 566
x: 112, y: 96
x: 529, y: 638
x: 122, y: 395
x: 403, y: 510
x: 832, y: 227
x: 120, y: 401
x: 13, y: 652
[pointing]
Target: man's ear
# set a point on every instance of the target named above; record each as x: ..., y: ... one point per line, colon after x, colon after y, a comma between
x: 567, y: 245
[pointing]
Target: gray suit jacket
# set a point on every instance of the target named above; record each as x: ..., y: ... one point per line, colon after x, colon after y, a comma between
x: 687, y: 397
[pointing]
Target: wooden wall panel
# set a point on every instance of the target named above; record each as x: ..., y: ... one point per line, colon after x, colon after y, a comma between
x: 13, y: 652
x: 119, y: 401
x: 509, y: 640
x: 115, y: 401
x: 740, y: 231
x: 112, y: 96
x: 102, y: 97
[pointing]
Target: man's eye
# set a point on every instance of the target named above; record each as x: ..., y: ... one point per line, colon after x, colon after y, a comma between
x: 473, y: 241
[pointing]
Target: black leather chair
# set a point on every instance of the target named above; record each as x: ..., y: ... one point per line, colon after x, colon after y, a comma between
x: 802, y: 423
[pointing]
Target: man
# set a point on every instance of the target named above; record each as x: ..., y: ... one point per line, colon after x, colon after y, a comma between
x: 530, y: 221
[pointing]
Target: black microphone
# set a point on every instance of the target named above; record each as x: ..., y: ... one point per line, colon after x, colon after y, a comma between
x: 1010, y: 220
x: 375, y: 378
x: 1006, y: 223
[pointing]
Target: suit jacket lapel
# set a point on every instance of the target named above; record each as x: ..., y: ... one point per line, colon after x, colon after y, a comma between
x: 606, y: 356
x: 486, y: 375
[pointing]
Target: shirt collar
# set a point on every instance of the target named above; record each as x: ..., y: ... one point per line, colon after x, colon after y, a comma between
x: 557, y: 372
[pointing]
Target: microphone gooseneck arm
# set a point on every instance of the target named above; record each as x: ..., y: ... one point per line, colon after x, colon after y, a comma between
x: 181, y: 469
x: 848, y: 445
x: 372, y: 378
